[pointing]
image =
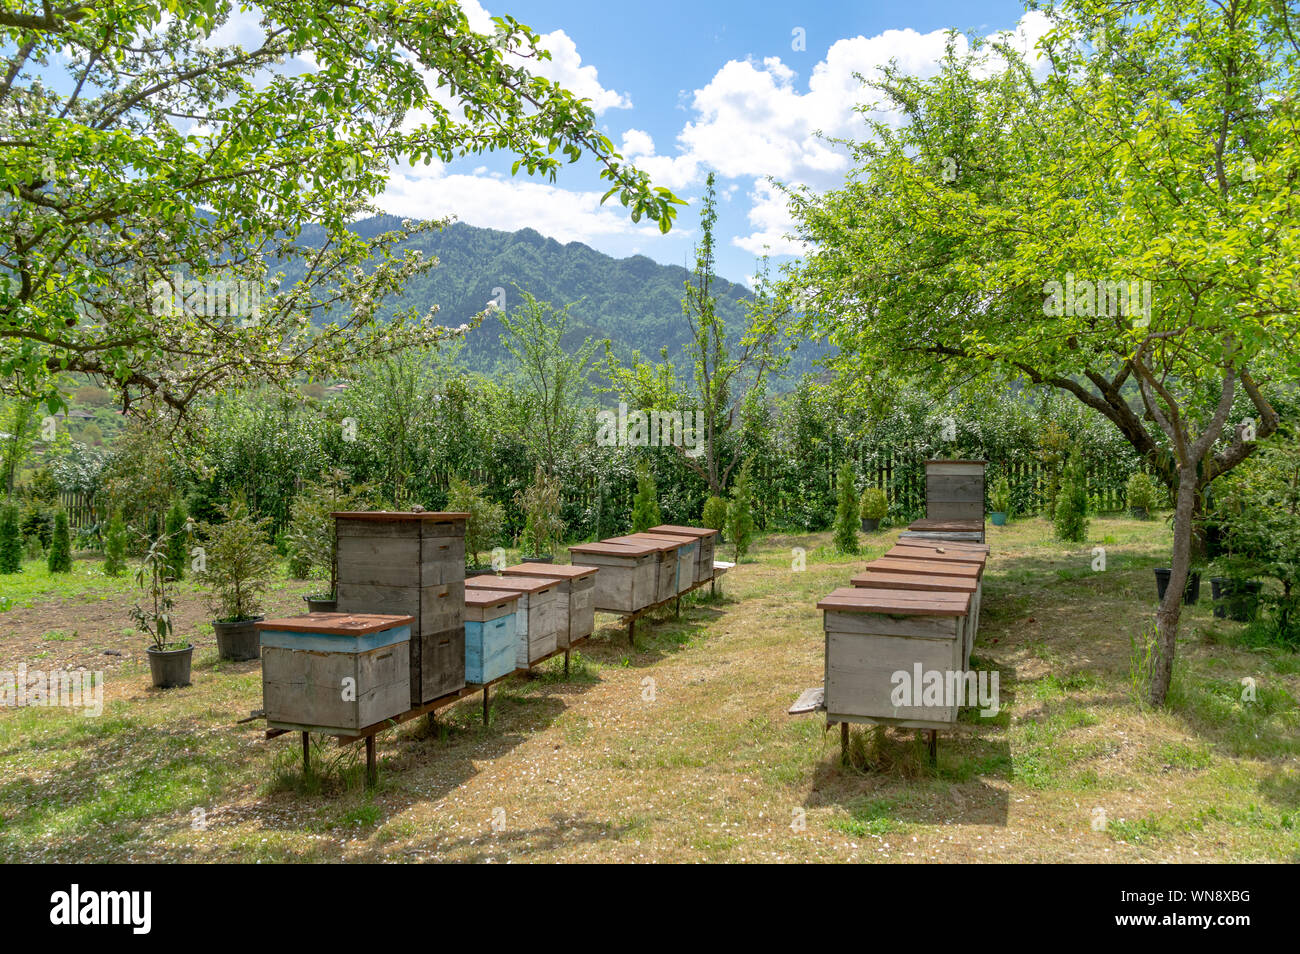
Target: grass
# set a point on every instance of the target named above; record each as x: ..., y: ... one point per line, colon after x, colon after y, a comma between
x: 680, y: 749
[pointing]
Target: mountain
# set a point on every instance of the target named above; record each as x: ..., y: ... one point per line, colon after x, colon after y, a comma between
x: 635, y: 302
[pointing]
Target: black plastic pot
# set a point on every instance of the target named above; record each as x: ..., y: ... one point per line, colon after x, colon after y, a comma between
x: 550, y: 558
x: 478, y: 569
x: 170, y: 667
x: 870, y: 524
x: 238, y: 640
x: 319, y: 603
x: 1191, y: 592
x: 1138, y: 513
x: 1235, y: 599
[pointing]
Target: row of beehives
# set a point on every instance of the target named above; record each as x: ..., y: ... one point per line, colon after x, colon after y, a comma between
x: 913, y: 612
x: 411, y: 629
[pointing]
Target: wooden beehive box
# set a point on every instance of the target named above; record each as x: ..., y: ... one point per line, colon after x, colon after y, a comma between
x: 410, y: 563
x: 491, y: 638
x: 628, y: 577
x: 705, y: 544
x: 575, y: 599
x: 668, y: 560
x: 324, y: 671
x: 537, y: 620
x: 878, y: 579
x: 968, y: 571
x: 688, y: 549
x: 954, y: 501
x: 872, y: 634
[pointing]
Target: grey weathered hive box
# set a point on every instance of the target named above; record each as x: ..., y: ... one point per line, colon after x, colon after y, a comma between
x: 537, y: 620
x: 954, y: 502
x: 334, y: 670
x: 575, y: 597
x: 414, y: 564
x: 874, y: 634
x: 705, y: 542
x: 628, y: 577
x: 668, y: 560
x: 491, y: 637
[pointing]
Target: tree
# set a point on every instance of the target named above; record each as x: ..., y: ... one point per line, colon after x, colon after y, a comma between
x: 11, y: 541
x: 1071, y: 518
x: 543, y: 526
x: 721, y: 380
x: 487, y: 518
x: 18, y: 429
x: 163, y: 177
x: 1109, y: 232
x: 846, y: 512
x: 238, y: 563
x: 115, y: 546
x: 740, y: 518
x: 60, y: 558
x: 714, y: 515
x: 178, y: 550
x: 554, y: 369
x: 645, y: 505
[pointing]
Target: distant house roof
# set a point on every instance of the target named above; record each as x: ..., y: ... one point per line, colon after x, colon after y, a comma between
x: 82, y: 415
x: 341, y: 386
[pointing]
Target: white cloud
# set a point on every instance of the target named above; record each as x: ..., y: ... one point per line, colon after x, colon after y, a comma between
x: 565, y: 67
x: 510, y: 204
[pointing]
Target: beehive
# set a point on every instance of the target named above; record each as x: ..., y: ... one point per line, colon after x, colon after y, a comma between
x: 491, y: 638
x: 334, y: 670
x: 537, y: 619
x: 575, y: 599
x: 705, y: 544
x: 687, y: 549
x: 668, y: 560
x: 413, y: 564
x: 953, y: 567
x: 628, y: 577
x: 954, y: 502
x: 872, y: 635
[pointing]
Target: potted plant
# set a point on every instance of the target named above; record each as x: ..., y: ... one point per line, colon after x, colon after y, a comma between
x: 543, y: 525
x: 311, y: 540
x: 238, y: 560
x: 1141, y: 496
x: 872, y: 508
x: 169, y: 659
x: 1191, y: 592
x: 483, y: 528
x: 1000, y: 502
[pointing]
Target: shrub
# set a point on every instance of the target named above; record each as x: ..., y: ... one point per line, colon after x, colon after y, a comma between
x: 874, y: 504
x: 543, y: 521
x: 60, y: 558
x: 115, y: 546
x: 645, y: 505
x: 177, y: 552
x: 846, y: 512
x: 238, y: 563
x: 740, y: 517
x: 11, y: 541
x: 308, y: 541
x: 1072, y: 505
x: 487, y: 518
x: 715, y: 513
x: 1000, y: 497
x: 1141, y: 492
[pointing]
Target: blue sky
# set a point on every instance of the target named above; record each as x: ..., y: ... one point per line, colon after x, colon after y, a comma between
x: 685, y: 88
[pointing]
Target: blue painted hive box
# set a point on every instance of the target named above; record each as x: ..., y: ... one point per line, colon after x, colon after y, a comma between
x: 328, y: 671
x: 491, y: 634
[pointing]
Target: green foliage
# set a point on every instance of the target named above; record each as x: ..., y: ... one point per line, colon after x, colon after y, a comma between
x: 740, y: 517
x: 309, y: 538
x: 486, y: 517
x: 238, y: 563
x: 115, y: 546
x: 60, y: 558
x: 846, y: 513
x: 1071, y: 520
x: 11, y: 543
x: 276, y: 160
x: 543, y: 524
x: 1141, y: 492
x: 1000, y: 496
x: 874, y: 504
x: 645, y: 505
x: 178, y: 539
x: 714, y: 515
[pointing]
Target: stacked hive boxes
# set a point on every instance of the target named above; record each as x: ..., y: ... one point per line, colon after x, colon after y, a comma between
x: 575, y: 597
x: 954, y: 503
x: 411, y: 564
x: 537, y: 620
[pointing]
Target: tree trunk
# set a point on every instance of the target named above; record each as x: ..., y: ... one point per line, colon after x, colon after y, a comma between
x: 1171, y: 606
